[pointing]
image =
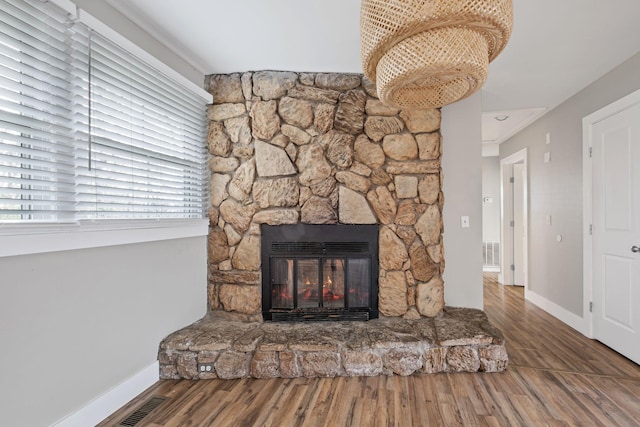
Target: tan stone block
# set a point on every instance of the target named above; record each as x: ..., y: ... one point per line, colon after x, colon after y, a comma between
x: 218, y: 188
x: 292, y: 152
x: 369, y: 153
x: 187, y: 365
x: 463, y: 359
x: 247, y: 278
x: 428, y: 145
x: 217, y: 245
x: 232, y: 364
x: 407, y: 213
x: 383, y: 204
x: 361, y: 364
x: 237, y: 214
x: 360, y: 169
x: 434, y: 360
x: 222, y: 112
x: 392, y: 252
x: 422, y: 267
x: 273, y: 84
x: 277, y: 216
x: 296, y: 135
x: 392, y: 297
x: 296, y: 112
x: 406, y: 233
x: 289, y: 365
x: 265, y: 364
x: 265, y: 122
x: 493, y: 358
x: 337, y: 81
x: 411, y: 294
x: 169, y: 373
x: 223, y: 164
x: 314, y: 94
x: 238, y: 129
x: 247, y: 255
x: 218, y: 141
x: 380, y: 177
x: 339, y: 150
x: 349, y: 116
x: 377, y: 127
x: 353, y: 208
x: 421, y: 121
x: 320, y: 364
x: 353, y: 181
x: 318, y: 210
x: 430, y: 297
x: 240, y: 185
x: 247, y: 85
x: 429, y: 226
x: 280, y: 192
x: 400, y: 147
x: 376, y: 107
x: 403, y: 361
x: 406, y: 186
x: 272, y: 161
x: 429, y: 188
x: 243, y: 299
x: 243, y: 151
x: 436, y: 252
x: 225, y: 88
x: 323, y: 121
x: 413, y: 167
x: 312, y: 164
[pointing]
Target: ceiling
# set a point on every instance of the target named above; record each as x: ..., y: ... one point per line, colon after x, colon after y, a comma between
x: 557, y: 47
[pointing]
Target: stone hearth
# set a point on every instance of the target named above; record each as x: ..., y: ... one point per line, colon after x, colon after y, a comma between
x: 460, y: 340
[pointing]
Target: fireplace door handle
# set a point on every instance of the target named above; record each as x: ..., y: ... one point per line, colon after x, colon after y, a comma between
x: 635, y: 249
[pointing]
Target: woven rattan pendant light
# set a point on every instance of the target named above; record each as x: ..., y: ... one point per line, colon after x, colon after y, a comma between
x: 430, y: 53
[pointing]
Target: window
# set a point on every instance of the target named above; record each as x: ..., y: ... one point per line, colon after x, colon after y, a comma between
x: 88, y: 131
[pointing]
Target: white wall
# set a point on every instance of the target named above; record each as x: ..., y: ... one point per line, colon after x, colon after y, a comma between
x: 462, y: 168
x: 555, y: 268
x: 491, y: 189
x: 76, y: 324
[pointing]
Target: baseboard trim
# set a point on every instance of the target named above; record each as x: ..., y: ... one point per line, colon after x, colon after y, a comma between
x: 103, y: 406
x: 578, y: 323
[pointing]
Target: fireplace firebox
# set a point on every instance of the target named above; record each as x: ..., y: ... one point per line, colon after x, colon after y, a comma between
x: 319, y: 272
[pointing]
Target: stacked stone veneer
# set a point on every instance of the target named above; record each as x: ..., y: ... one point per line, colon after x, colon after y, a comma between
x: 322, y: 149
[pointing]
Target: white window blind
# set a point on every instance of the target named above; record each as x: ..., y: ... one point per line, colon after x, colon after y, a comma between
x: 88, y: 131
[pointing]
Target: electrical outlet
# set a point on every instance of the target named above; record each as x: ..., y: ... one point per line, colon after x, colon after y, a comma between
x: 205, y: 367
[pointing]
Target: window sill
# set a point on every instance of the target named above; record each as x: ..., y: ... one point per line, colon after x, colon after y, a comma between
x: 40, y: 238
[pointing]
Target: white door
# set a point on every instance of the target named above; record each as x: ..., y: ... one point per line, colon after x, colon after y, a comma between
x: 518, y: 224
x: 616, y: 231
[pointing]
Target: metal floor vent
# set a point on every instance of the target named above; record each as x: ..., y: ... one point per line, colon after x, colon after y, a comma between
x: 145, y: 409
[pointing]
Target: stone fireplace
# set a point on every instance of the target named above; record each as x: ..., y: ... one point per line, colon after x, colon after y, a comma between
x: 304, y: 151
x: 314, y: 148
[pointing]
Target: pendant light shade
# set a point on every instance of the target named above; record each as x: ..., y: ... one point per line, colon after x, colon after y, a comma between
x: 429, y: 53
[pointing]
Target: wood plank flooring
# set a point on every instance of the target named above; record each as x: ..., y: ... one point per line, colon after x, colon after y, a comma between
x: 556, y: 377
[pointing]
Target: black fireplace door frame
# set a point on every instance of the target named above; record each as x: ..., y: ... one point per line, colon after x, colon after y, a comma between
x: 311, y: 241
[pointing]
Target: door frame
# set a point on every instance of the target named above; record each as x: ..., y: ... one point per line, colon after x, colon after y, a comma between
x: 588, y: 124
x: 505, y: 170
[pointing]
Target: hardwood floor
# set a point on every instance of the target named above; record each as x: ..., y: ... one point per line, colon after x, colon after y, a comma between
x: 556, y: 377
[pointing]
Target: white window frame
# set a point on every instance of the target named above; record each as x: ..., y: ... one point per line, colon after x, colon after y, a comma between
x: 25, y: 239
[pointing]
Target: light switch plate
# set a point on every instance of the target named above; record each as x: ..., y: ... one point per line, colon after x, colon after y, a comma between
x: 464, y: 221
x: 547, y: 157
